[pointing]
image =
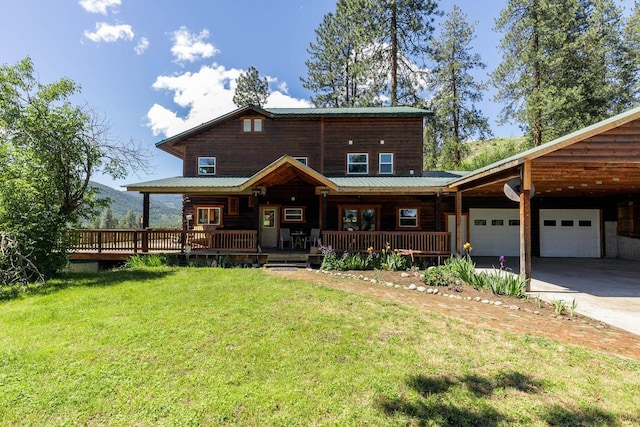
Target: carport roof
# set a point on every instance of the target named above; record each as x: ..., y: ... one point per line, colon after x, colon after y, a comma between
x: 549, y: 147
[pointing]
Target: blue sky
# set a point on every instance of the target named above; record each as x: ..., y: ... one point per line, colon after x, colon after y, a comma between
x: 155, y: 68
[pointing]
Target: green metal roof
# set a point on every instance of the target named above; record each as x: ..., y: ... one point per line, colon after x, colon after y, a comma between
x: 187, y: 183
x: 394, y: 181
x: 353, y: 111
x: 434, y: 181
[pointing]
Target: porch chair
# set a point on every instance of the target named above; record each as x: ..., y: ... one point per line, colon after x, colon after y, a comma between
x: 285, y: 237
x: 313, y: 239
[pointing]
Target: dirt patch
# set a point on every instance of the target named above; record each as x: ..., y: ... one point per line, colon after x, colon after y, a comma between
x: 479, y: 307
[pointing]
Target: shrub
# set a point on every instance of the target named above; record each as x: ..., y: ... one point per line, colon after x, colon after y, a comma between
x: 438, y: 276
x: 331, y: 261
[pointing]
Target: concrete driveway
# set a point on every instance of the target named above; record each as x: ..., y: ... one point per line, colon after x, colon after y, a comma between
x: 604, y: 289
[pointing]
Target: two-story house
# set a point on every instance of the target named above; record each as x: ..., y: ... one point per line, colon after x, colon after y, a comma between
x: 257, y: 175
x: 299, y: 169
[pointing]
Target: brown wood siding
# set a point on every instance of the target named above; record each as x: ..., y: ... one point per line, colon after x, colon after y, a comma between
x: 241, y: 153
x: 244, y: 220
x: 389, y: 206
x: 402, y: 136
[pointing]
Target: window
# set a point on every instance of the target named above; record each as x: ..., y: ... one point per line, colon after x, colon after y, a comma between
x: 386, y: 163
x: 514, y: 222
x: 302, y: 160
x: 209, y: 215
x: 584, y: 223
x: 252, y: 125
x: 566, y: 223
x: 408, y: 217
x: 358, y: 163
x: 359, y: 218
x: 479, y: 222
x: 293, y: 215
x: 549, y: 223
x: 206, y: 165
x: 497, y: 222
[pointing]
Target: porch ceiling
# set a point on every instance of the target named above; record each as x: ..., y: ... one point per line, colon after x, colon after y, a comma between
x: 284, y: 174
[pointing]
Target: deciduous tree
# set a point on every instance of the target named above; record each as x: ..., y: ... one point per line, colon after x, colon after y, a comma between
x: 49, y: 150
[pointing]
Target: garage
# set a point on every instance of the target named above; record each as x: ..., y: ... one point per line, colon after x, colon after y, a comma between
x: 494, y: 232
x: 570, y: 233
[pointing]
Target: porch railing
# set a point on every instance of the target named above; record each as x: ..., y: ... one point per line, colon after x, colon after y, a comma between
x: 164, y: 240
x: 426, y: 242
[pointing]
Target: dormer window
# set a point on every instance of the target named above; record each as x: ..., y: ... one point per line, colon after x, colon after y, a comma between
x: 206, y: 165
x: 252, y: 125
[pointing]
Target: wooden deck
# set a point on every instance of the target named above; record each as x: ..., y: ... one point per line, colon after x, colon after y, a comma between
x: 115, y: 245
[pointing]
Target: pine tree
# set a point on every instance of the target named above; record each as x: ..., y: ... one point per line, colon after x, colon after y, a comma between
x: 342, y: 70
x: 564, y: 65
x: 108, y: 219
x: 129, y: 220
x: 455, y: 115
x: 632, y: 54
x: 251, y: 89
x: 404, y: 27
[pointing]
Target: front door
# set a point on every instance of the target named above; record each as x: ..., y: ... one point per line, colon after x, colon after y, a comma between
x: 269, y: 226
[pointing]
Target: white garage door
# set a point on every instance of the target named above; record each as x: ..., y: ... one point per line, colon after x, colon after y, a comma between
x: 570, y: 233
x: 494, y: 232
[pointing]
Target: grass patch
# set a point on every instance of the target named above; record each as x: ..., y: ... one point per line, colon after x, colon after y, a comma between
x: 184, y: 346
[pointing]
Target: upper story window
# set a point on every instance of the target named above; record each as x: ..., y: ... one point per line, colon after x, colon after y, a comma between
x: 206, y: 165
x: 252, y: 125
x: 302, y: 160
x: 358, y: 163
x: 386, y: 164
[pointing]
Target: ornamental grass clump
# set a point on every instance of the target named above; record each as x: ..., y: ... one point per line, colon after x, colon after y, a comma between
x: 502, y: 282
x: 463, y: 268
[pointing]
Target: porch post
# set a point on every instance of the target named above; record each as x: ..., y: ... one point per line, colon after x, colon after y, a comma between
x: 525, y: 224
x: 145, y: 222
x: 458, y: 221
x: 438, y: 222
x: 145, y: 210
x: 323, y: 212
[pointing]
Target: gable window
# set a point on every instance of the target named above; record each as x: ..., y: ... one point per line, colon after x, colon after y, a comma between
x: 302, y: 160
x: 408, y: 218
x: 358, y: 163
x: 206, y: 165
x: 209, y: 215
x: 386, y: 163
x: 293, y: 215
x: 252, y: 125
x: 359, y: 218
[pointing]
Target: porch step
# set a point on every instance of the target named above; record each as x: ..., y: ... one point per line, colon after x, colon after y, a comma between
x: 285, y: 265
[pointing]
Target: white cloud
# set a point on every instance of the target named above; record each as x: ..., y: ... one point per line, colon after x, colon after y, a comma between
x: 99, y: 6
x: 110, y: 33
x: 191, y: 46
x: 142, y: 45
x: 206, y: 94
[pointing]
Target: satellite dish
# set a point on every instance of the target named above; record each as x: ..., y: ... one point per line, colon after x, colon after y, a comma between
x: 512, y: 189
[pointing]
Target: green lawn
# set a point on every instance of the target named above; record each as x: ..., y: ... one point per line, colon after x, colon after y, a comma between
x: 198, y: 346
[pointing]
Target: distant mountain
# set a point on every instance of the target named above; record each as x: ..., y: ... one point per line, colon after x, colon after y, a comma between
x: 165, y: 210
